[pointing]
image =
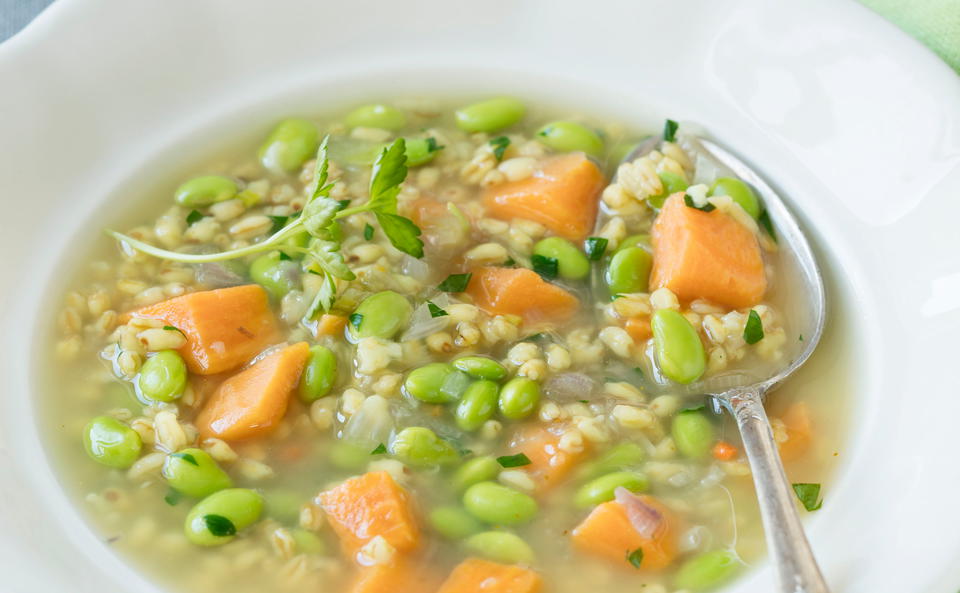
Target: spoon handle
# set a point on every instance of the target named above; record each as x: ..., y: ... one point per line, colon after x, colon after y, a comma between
x: 791, y: 551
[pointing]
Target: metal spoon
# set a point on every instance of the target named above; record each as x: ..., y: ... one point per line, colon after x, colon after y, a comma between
x: 742, y: 393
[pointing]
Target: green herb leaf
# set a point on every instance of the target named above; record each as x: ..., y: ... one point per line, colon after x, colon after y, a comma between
x: 322, y: 188
x: 325, y: 297
x: 518, y: 460
x: 356, y: 319
x: 367, y: 232
x: 172, y: 497
x: 596, y: 247
x: 219, y: 525
x: 326, y: 256
x: 545, y: 266
x: 500, y: 144
x: 342, y: 204
x: 389, y: 171
x: 753, y: 331
x: 379, y: 450
x: 801, y: 337
x: 455, y: 283
x: 433, y: 146
x: 317, y: 216
x: 635, y: 558
x: 638, y: 371
x: 509, y: 263
x: 670, y: 130
x: 193, y: 217
x: 809, y: 495
x: 435, y: 311
x: 284, y: 257
x: 173, y: 329
x: 278, y: 223
x: 186, y: 457
x: 402, y: 233
x: 708, y: 207
x: 584, y: 401
x: 537, y: 337
x: 767, y: 224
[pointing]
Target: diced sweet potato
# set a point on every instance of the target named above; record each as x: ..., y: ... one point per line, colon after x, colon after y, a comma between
x: 706, y: 255
x: 562, y: 196
x: 369, y: 505
x: 608, y: 532
x: 799, y: 430
x: 548, y: 463
x: 225, y: 328
x: 252, y: 402
x: 330, y: 325
x: 639, y: 329
x: 403, y: 575
x: 519, y: 291
x: 474, y: 575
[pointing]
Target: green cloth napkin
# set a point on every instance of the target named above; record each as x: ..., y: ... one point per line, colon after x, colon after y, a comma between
x: 935, y: 23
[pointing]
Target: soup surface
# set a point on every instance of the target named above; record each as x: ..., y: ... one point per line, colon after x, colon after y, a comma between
x: 435, y: 347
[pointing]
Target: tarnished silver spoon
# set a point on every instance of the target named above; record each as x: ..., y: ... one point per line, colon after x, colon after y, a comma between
x: 742, y: 393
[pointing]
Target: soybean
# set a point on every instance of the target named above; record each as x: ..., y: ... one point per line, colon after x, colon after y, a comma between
x: 740, y: 192
x: 380, y: 116
x: 292, y: 143
x: 679, y: 351
x: 111, y: 442
x: 421, y: 447
x: 500, y: 546
x: 499, y: 505
x: 452, y: 522
x: 619, y: 457
x: 194, y: 473
x: 381, y: 315
x: 276, y: 275
x: 421, y: 150
x: 163, y: 376
x: 319, y: 374
x: 693, y: 434
x: 481, y: 367
x: 436, y: 383
x: 641, y: 240
x: 216, y: 519
x: 601, y: 489
x: 477, y: 405
x: 672, y: 183
x: 204, y: 191
x: 706, y: 571
x: 479, y: 469
x: 572, y: 264
x: 490, y: 115
x: 629, y: 271
x: 568, y: 136
x: 519, y: 398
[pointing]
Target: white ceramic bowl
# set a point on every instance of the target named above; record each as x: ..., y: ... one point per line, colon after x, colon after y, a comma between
x: 854, y: 122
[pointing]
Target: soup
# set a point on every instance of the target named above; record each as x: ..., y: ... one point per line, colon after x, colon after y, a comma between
x: 431, y: 348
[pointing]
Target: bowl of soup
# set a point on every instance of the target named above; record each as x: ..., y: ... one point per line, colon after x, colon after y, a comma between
x: 436, y: 334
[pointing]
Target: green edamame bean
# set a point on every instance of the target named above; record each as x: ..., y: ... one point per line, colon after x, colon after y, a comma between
x: 641, y: 240
x: 479, y: 469
x: 500, y: 546
x: 203, y: 191
x: 292, y: 143
x: 290, y: 245
x: 346, y: 455
x: 163, y: 376
x: 283, y: 505
x: 629, y: 271
x: 380, y: 116
x: 436, y: 383
x: 421, y: 150
x: 692, y: 433
x: 572, y: 264
x: 421, y: 447
x: 601, y: 489
x: 568, y: 136
x: 217, y: 518
x: 519, y: 398
x: 382, y: 315
x: 740, y: 192
x: 194, y: 473
x: 499, y: 505
x: 277, y: 276
x: 617, y: 458
x: 708, y: 570
x: 481, y: 367
x: 477, y: 405
x: 308, y: 542
x: 672, y: 183
x: 111, y: 442
x: 678, y: 348
x: 490, y: 115
x: 454, y: 523
x: 319, y: 374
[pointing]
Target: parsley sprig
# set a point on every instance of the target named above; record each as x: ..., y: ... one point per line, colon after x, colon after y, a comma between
x: 322, y: 256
